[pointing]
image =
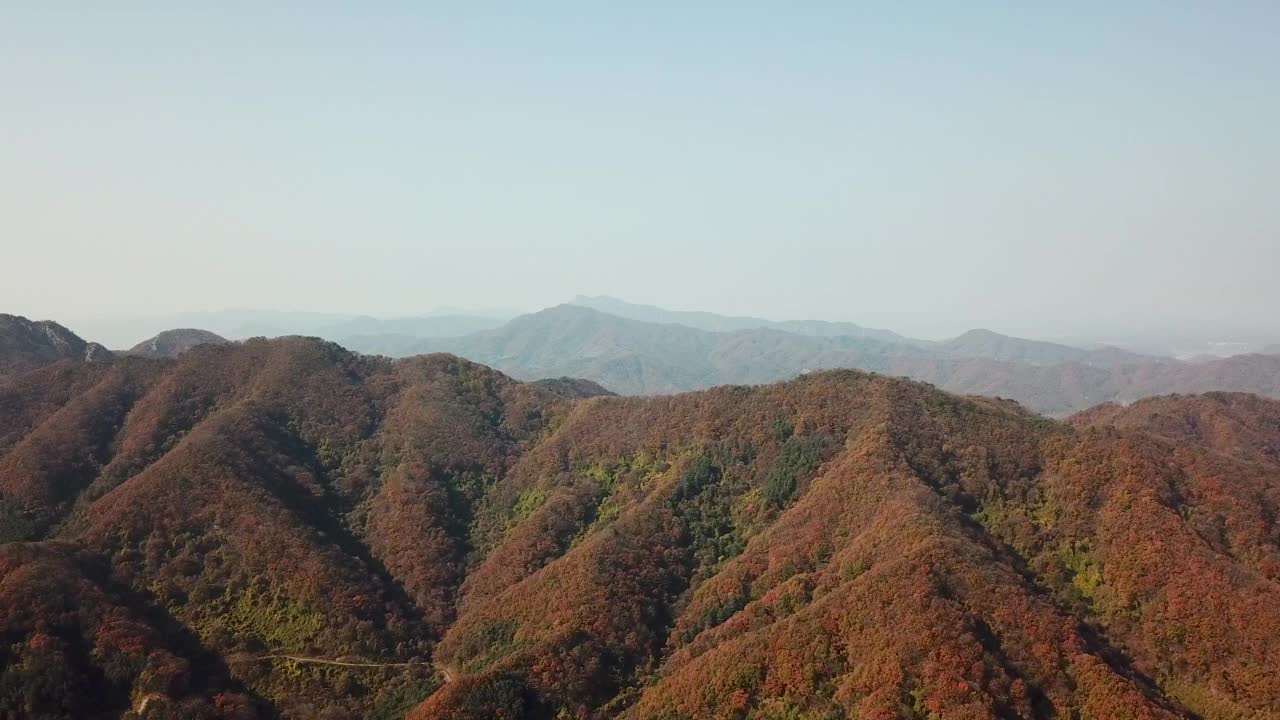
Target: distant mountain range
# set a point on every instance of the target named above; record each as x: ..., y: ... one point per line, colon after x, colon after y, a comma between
x: 239, y: 324
x: 630, y: 356
x: 974, y: 343
x: 994, y: 346
x: 727, y: 323
x: 644, y: 350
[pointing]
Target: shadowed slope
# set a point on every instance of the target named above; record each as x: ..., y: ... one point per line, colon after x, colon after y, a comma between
x: 258, y: 492
x: 26, y: 345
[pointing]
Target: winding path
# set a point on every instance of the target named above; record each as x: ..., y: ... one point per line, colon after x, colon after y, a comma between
x: 343, y: 663
x: 440, y: 667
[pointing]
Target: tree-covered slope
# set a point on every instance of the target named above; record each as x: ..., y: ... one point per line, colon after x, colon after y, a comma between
x: 27, y: 344
x: 287, y: 529
x: 275, y: 498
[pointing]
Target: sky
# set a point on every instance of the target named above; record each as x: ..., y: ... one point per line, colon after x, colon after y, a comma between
x: 1043, y: 169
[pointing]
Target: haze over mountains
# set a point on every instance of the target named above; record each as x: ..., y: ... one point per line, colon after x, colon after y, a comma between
x: 667, y: 353
x: 640, y: 349
x: 125, y: 331
x: 724, y: 323
x: 946, y: 385
x: 286, y: 528
x: 396, y: 334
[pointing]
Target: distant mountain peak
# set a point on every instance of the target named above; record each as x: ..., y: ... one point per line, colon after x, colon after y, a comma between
x: 981, y: 333
x: 172, y: 343
x: 27, y: 344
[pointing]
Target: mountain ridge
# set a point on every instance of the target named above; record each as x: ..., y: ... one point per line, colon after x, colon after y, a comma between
x: 992, y: 345
x: 27, y: 344
x: 728, y: 323
x: 634, y: 357
x: 843, y: 544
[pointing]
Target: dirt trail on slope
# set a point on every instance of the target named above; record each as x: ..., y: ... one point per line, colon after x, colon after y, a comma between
x: 343, y: 663
x: 439, y: 667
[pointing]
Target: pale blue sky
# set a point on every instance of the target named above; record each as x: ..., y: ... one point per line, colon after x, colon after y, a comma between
x: 1068, y: 168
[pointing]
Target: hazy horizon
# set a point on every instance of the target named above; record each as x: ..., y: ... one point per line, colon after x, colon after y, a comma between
x: 1084, y: 171
x: 123, y: 330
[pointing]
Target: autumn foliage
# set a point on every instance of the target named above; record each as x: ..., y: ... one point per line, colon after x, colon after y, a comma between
x: 177, y: 533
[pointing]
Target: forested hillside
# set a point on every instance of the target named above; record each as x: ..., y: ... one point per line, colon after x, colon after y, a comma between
x: 25, y: 345
x: 286, y: 529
